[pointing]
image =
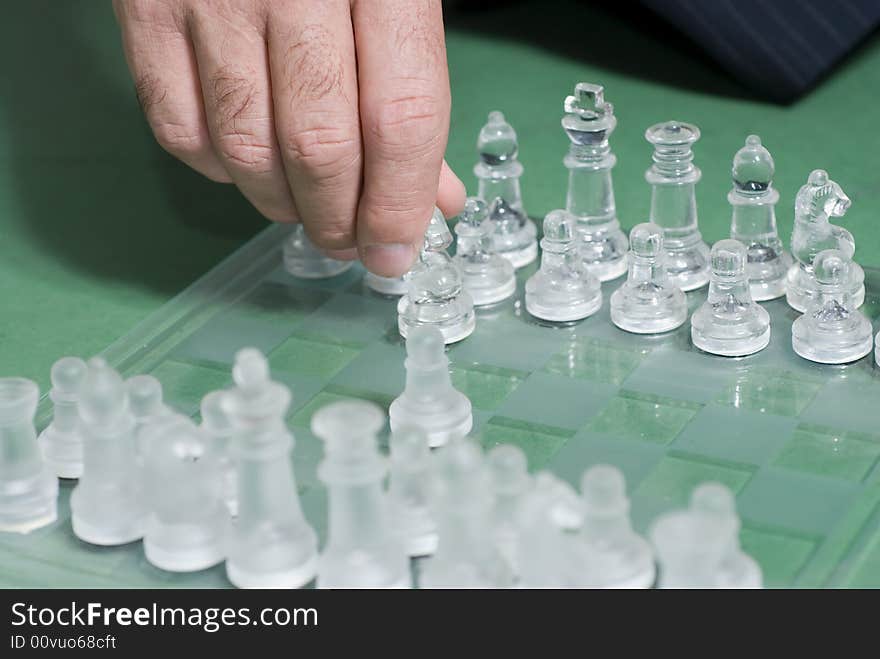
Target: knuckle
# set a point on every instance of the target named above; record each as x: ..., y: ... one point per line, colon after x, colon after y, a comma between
x: 411, y: 123
x: 156, y: 15
x: 179, y: 140
x: 247, y: 151
x: 316, y: 66
x: 399, y: 218
x: 325, y: 152
x: 232, y: 96
x: 334, y: 236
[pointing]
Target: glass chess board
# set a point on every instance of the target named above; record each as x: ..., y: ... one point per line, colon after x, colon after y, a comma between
x: 797, y: 442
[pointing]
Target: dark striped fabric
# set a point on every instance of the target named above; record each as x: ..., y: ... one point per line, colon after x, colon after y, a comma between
x: 780, y: 48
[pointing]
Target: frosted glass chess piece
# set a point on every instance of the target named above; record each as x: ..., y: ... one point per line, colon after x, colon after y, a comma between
x: 435, y: 296
x: 753, y: 222
x: 737, y: 569
x: 486, y: 276
x: 466, y: 555
x: 589, y: 121
x: 302, y: 259
x: 607, y: 552
x: 729, y: 323
x: 673, y: 178
x: 429, y: 402
x: 146, y: 405
x: 511, y: 484
x: 363, y: 550
x: 28, y: 487
x: 563, y: 289
x: 543, y: 549
x: 218, y: 432
x: 188, y: 522
x: 816, y: 202
x: 61, y: 441
x: 832, y: 330
x: 648, y: 302
x: 272, y: 544
x: 409, y: 491
x: 108, y: 505
x: 498, y: 173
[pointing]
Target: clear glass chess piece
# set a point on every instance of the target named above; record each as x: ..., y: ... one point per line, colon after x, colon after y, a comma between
x: 511, y: 484
x: 435, y: 296
x: 498, y: 173
x: 61, y: 441
x: 730, y: 323
x: 107, y: 505
x: 589, y: 121
x: 28, y: 488
x: 486, y: 276
x: 409, y: 491
x: 544, y: 548
x: 832, y: 330
x: 608, y: 553
x: 648, y: 302
x: 563, y: 290
x: 145, y: 400
x: 302, y: 259
x: 753, y: 222
x: 816, y: 202
x: 188, y: 522
x: 429, y: 402
x: 271, y: 544
x: 390, y: 286
x: 673, y: 178
x: 363, y: 549
x: 218, y: 432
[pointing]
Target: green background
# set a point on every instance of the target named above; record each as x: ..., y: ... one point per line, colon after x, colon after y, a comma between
x: 98, y: 227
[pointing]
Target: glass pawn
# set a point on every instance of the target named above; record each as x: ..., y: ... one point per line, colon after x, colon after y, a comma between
x: 498, y: 172
x: 61, y: 441
x: 832, y: 330
x: 648, y: 302
x: 363, y: 550
x: 673, y: 178
x: 271, y: 544
x: 753, y: 222
x: 589, y: 121
x: 218, y: 431
x: 816, y: 202
x: 435, y: 296
x: 511, y: 485
x: 409, y: 491
x: 487, y: 276
x: 429, y: 402
x: 730, y: 323
x: 302, y: 259
x: 563, y: 290
x: 28, y: 487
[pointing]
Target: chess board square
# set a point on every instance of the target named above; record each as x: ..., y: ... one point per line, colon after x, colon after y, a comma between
x: 486, y: 386
x: 798, y: 501
x: 770, y: 390
x: 538, y: 442
x: 731, y: 433
x: 860, y: 411
x: 376, y: 319
x: 591, y: 359
x: 307, y: 356
x: 377, y: 368
x: 632, y: 415
x: 866, y: 573
x: 683, y: 375
x: 781, y: 556
x: 184, y: 385
x: 555, y: 400
x: 18, y: 569
x: 302, y: 418
x: 826, y: 452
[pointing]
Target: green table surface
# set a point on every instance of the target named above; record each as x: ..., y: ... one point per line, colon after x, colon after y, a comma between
x: 98, y: 227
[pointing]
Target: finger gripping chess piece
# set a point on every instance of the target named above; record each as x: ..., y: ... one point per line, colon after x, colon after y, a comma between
x: 28, y: 488
x: 302, y: 259
x: 648, y: 302
x: 435, y: 296
x: 486, y: 276
x: 272, y: 544
x: 730, y: 323
x: 563, y: 289
x: 409, y: 491
x: 753, y: 222
x: 816, y: 202
x: 589, y: 121
x: 429, y: 402
x: 188, y: 522
x: 107, y: 506
x: 673, y: 178
x: 609, y: 554
x: 498, y: 173
x: 61, y: 441
x: 832, y: 330
x: 363, y: 550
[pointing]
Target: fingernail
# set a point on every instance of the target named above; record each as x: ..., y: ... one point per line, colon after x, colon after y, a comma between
x: 390, y: 260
